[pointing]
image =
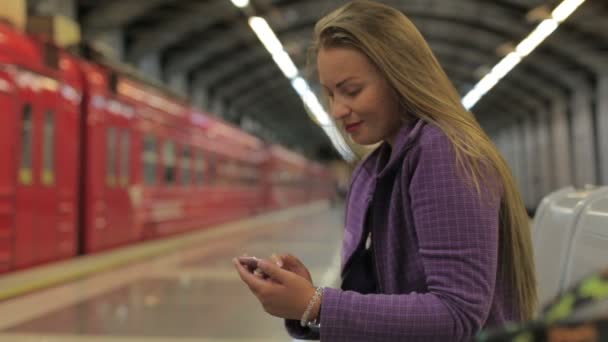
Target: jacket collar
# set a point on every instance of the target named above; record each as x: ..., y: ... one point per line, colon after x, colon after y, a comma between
x: 383, y: 159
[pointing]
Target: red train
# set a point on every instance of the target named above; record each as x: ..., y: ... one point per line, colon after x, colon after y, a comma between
x: 93, y: 159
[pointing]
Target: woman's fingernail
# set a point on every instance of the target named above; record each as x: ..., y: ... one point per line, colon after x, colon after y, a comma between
x: 277, y: 259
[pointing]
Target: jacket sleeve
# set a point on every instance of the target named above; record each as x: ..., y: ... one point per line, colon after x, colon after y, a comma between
x: 458, y: 243
x: 296, y: 331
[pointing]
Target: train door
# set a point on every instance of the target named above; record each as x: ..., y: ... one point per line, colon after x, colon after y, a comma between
x: 111, y: 184
x: 119, y: 145
x: 8, y: 137
x: 25, y: 192
x: 35, y: 197
x: 67, y: 177
x: 124, y: 211
x: 47, y: 203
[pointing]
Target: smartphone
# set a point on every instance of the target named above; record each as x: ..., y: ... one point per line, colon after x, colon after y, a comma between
x: 251, y: 263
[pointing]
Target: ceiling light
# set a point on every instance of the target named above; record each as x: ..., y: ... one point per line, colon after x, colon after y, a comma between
x: 505, y: 65
x: 471, y: 99
x: 285, y: 64
x: 523, y: 49
x: 567, y: 7
x: 240, y: 3
x: 311, y: 102
x: 537, y: 36
x: 300, y: 85
x: 266, y: 35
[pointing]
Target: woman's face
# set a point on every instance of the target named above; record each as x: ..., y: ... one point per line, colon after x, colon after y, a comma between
x: 360, y: 98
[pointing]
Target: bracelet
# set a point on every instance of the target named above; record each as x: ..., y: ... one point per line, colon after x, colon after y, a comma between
x: 315, y: 298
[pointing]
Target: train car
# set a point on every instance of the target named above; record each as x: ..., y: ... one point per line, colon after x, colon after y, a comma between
x: 39, y: 178
x: 288, y: 182
x: 95, y: 158
x: 237, y: 187
x: 322, y: 183
x: 158, y: 167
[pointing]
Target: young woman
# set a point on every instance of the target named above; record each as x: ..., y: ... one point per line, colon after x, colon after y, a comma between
x: 450, y: 248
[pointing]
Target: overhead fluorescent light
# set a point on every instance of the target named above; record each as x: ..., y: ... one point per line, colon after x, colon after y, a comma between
x: 505, y: 65
x: 300, y: 85
x: 240, y: 3
x: 266, y: 35
x: 523, y: 49
x: 311, y: 101
x: 471, y: 99
x: 290, y: 70
x: 567, y: 7
x: 285, y: 64
x: 486, y: 83
x: 542, y: 31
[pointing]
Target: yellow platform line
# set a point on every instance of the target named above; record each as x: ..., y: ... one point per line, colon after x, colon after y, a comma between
x: 12, y: 337
x: 23, y: 282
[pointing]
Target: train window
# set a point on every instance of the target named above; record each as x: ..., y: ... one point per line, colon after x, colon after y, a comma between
x: 124, y: 158
x: 211, y: 169
x: 186, y: 165
x: 25, y: 169
x: 169, y: 160
x: 200, y: 167
x: 111, y: 157
x: 48, y: 148
x: 150, y: 159
x: 252, y: 175
x: 51, y: 56
x: 220, y: 171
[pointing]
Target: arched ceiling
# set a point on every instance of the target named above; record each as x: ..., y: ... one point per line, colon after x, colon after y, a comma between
x: 210, y: 41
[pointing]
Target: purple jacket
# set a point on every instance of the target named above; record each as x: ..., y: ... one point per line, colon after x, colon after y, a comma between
x: 435, y: 249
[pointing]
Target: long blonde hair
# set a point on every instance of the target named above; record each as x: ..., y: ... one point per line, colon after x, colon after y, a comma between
x: 398, y: 50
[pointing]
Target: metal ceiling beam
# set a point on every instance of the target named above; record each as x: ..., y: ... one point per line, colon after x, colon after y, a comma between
x: 518, y: 96
x: 493, y: 126
x: 522, y: 74
x: 226, y: 53
x: 507, y: 101
x: 591, y: 18
x: 295, y: 136
x: 287, y: 112
x: 268, y: 103
x: 282, y: 95
x: 255, y: 94
x: 519, y: 76
x: 211, y: 46
x: 539, y: 60
x: 200, y: 17
x: 478, y: 40
x: 118, y: 13
x: 485, y: 15
x: 233, y: 88
x: 210, y: 76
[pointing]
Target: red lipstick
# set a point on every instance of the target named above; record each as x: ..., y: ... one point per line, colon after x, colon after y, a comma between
x: 353, y: 127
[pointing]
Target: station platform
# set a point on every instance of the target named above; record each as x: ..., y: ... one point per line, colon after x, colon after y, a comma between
x: 180, y: 289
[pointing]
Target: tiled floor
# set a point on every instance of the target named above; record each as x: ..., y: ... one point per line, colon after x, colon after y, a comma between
x: 193, y: 294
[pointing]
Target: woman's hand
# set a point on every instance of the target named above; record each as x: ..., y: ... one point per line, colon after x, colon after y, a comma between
x: 285, y: 294
x: 292, y: 264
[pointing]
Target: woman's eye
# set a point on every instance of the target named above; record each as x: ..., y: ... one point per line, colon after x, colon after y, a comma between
x: 352, y: 93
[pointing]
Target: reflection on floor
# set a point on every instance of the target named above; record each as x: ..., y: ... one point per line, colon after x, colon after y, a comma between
x: 189, y: 295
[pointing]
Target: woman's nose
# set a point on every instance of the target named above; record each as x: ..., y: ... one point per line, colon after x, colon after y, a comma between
x: 339, y: 110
